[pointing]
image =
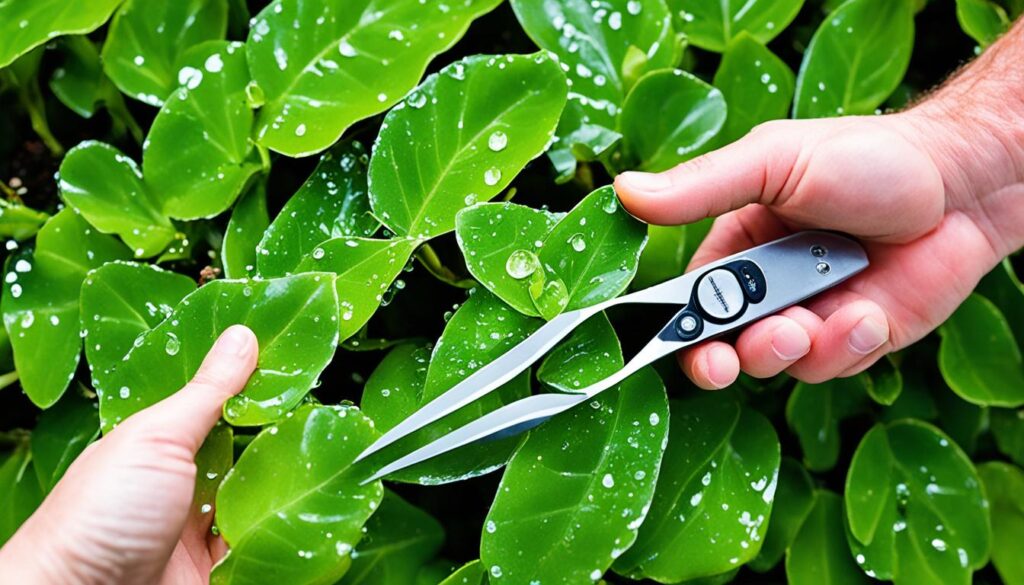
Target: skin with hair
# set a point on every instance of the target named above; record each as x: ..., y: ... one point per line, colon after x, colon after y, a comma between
x: 935, y: 193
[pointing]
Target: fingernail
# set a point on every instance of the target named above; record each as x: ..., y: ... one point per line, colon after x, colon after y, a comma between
x: 237, y: 340
x: 718, y: 378
x: 868, y: 335
x: 790, y: 345
x: 645, y: 181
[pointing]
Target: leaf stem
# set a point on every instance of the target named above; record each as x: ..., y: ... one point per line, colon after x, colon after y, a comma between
x: 32, y: 99
x: 8, y: 379
x: 122, y: 117
x: 432, y: 262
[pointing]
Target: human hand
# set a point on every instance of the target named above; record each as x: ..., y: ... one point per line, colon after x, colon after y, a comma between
x: 932, y: 224
x: 123, y: 511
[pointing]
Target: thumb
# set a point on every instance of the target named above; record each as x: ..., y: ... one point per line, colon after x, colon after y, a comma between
x: 192, y: 411
x: 753, y: 169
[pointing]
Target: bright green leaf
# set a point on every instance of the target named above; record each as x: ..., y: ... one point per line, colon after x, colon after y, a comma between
x: 1004, y: 289
x: 1008, y: 432
x: 25, y: 25
x: 983, y: 20
x: 757, y: 86
x: 213, y: 461
x: 962, y: 421
x: 78, y: 82
x: 885, y: 381
x: 794, y: 498
x: 588, y: 355
x: 819, y: 553
x: 1004, y: 486
x: 20, y: 493
x: 60, y: 436
x: 245, y: 229
x: 472, y: 573
x: 663, y: 255
x: 713, y: 25
x: 19, y: 222
x: 814, y: 412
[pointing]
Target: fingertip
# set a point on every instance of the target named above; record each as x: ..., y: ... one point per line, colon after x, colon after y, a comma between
x: 237, y: 341
x: 711, y: 366
x: 789, y: 341
x: 639, y: 194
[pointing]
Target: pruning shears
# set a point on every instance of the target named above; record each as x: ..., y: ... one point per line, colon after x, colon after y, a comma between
x: 715, y: 299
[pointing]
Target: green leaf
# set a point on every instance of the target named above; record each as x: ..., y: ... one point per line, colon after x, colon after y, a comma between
x: 590, y: 354
x: 794, y: 499
x: 1004, y: 486
x: 471, y: 573
x: 885, y: 382
x: 323, y: 67
x: 146, y: 41
x: 198, y: 156
x: 292, y: 509
x: 915, y: 507
x: 26, y: 25
x: 979, y: 358
x: 332, y: 203
x: 400, y: 539
x: 294, y: 318
x: 757, y: 86
x: 213, y: 461
x: 365, y: 268
x: 60, y: 436
x: 40, y: 302
x: 19, y: 222
x: 1008, y: 432
x: 667, y: 118
x: 856, y: 59
x: 20, y: 493
x: 962, y: 421
x: 713, y: 25
x: 606, y: 47
x: 714, y: 493
x: 814, y: 412
x: 663, y: 256
x: 487, y: 115
x: 576, y: 492
x: 106, y: 187
x: 119, y: 302
x: 1004, y: 289
x: 249, y: 219
x: 983, y: 20
x: 481, y: 330
x: 78, y: 82
x: 819, y: 553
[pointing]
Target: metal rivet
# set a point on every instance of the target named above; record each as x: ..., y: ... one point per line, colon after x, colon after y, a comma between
x: 688, y: 323
x: 818, y: 251
x: 823, y: 268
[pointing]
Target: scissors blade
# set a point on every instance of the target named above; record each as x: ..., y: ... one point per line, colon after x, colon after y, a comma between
x: 486, y: 379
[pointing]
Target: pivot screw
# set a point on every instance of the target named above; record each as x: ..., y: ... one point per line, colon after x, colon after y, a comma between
x: 823, y: 268
x: 818, y: 251
x: 688, y: 324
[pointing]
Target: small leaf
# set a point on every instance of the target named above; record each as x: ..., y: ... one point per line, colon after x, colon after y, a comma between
x: 856, y: 59
x: 323, y: 67
x: 40, y: 302
x: 962, y: 421
x: 757, y: 86
x: 819, y: 553
x: 814, y: 411
x: 488, y: 116
x: 915, y: 506
x: 400, y: 539
x: 667, y: 118
x: 983, y: 20
x: 589, y: 355
x: 249, y: 220
x: 292, y: 508
x: 213, y: 461
x: 885, y: 381
x: 20, y: 493
x: 294, y: 318
x: 26, y: 25
x: 1004, y: 486
x: 794, y: 499
x: 332, y: 203
x: 1008, y: 432
x: 472, y: 573
x: 19, y: 222
x: 78, y: 82
x: 663, y: 256
x: 60, y: 436
x: 718, y: 479
x: 1004, y: 289
x: 713, y: 25
x: 979, y: 357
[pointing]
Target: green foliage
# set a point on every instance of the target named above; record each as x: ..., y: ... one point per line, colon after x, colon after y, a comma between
x: 427, y: 238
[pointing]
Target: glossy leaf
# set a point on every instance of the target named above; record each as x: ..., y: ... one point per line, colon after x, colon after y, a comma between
x: 365, y: 268
x: 120, y: 302
x: 979, y: 357
x: 294, y: 318
x: 106, y: 187
x: 588, y: 355
x: 146, y: 41
x: 713, y: 25
x: 819, y: 553
x: 20, y: 222
x: 400, y: 539
x: 26, y: 25
x: 487, y: 115
x: 885, y: 381
x: 915, y: 507
x: 856, y: 59
x: 667, y: 118
x: 332, y: 203
x: 714, y: 493
x: 61, y: 435
x: 472, y: 573
x: 292, y: 508
x: 198, y: 156
x: 757, y: 86
x: 213, y: 461
x: 323, y: 66
x: 814, y: 412
x: 962, y: 421
x: 20, y: 493
x: 794, y: 499
x: 1004, y: 487
x: 1008, y: 432
x: 249, y: 220
x: 79, y: 82
x: 983, y: 20
x: 663, y: 256
x: 40, y: 302
x: 1004, y: 289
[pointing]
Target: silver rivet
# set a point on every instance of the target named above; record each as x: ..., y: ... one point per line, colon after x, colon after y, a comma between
x: 818, y: 251
x: 823, y: 268
x: 688, y: 323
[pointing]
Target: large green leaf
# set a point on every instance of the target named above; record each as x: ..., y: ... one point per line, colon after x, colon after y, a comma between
x: 814, y: 412
x: 60, y: 436
x: 757, y: 86
x: 714, y: 493
x: 295, y: 319
x: 332, y: 203
x: 25, y: 25
x: 147, y: 39
x: 1004, y: 486
x: 915, y: 507
x: 119, y: 302
x: 983, y: 20
x: 713, y: 25
x: 794, y: 498
x: 40, y: 302
x: 819, y: 553
x: 20, y: 493
x: 106, y: 187
x: 292, y: 509
x: 249, y: 220
x: 400, y: 539
x: 486, y: 117
x: 979, y: 357
x: 471, y: 573
x: 856, y: 59
x: 198, y: 155
x: 667, y: 118
x: 324, y: 66
x: 365, y: 268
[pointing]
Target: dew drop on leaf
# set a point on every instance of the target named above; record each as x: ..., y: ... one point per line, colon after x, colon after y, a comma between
x: 492, y: 176
x: 521, y: 263
x: 577, y: 242
x: 172, y: 346
x: 497, y: 141
x: 633, y: 7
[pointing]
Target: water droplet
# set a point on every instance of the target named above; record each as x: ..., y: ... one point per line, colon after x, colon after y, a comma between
x: 214, y: 64
x: 496, y: 571
x: 300, y: 130
x: 654, y: 419
x: 577, y: 242
x: 416, y: 100
x: 492, y: 176
x: 491, y: 526
x: 54, y: 320
x: 318, y: 253
x: 608, y: 481
x: 124, y: 392
x: 346, y: 49
x: 172, y: 346
x: 633, y: 7
x: 469, y: 199
x: 939, y: 544
x: 521, y: 263
x: 497, y: 141
x: 550, y: 297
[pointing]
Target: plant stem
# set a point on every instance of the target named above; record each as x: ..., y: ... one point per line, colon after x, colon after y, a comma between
x: 121, y: 116
x: 8, y: 379
x: 432, y: 262
x: 32, y: 99
x: 14, y: 437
